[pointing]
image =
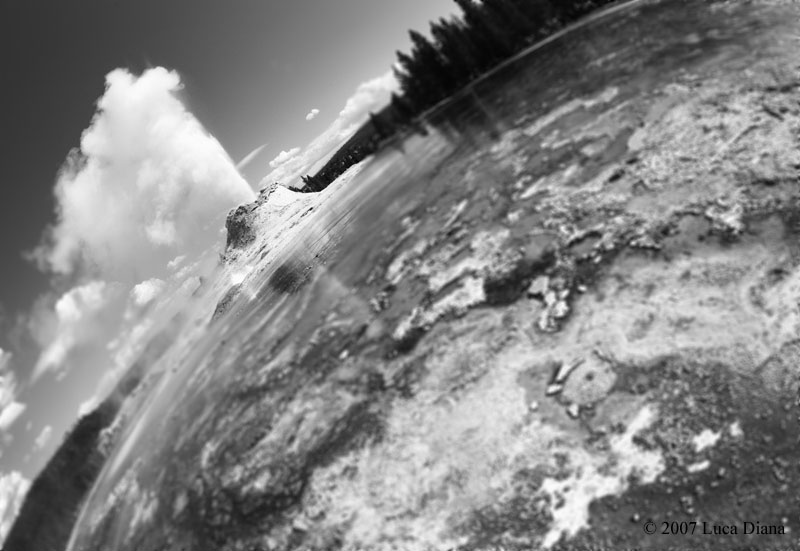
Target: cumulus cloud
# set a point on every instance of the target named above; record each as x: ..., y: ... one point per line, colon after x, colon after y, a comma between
x: 88, y: 406
x: 84, y: 315
x: 372, y: 95
x: 13, y: 487
x: 148, y: 181
x: 283, y: 157
x: 10, y: 414
x: 43, y: 439
x: 312, y: 114
x: 146, y: 291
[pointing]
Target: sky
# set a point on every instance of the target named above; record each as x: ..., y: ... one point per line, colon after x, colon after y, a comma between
x: 174, y: 113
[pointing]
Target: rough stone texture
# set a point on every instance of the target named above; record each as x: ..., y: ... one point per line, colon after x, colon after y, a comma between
x: 240, y: 228
x: 583, y: 323
x: 243, y: 223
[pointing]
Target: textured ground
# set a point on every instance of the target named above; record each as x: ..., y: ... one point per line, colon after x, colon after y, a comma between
x: 587, y: 323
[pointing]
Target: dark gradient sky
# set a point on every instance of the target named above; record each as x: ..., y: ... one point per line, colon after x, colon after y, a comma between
x: 252, y: 70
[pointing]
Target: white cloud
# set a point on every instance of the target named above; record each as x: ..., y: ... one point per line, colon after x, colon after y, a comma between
x: 148, y: 182
x: 129, y: 343
x: 247, y: 159
x: 10, y: 414
x: 176, y: 262
x: 283, y: 157
x: 43, y: 439
x: 84, y: 315
x: 74, y: 305
x: 141, y: 203
x: 146, y: 291
x: 312, y: 114
x: 143, y: 320
x: 10, y: 408
x: 88, y: 406
x: 372, y: 95
x: 13, y: 487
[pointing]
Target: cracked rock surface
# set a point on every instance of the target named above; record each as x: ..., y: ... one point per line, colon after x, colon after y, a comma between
x: 540, y: 336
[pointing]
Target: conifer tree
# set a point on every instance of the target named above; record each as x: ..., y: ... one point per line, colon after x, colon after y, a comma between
x: 407, y: 74
x: 401, y: 109
x: 519, y: 26
x: 487, y: 30
x: 432, y: 79
x: 383, y: 129
x: 459, y: 60
x: 461, y: 48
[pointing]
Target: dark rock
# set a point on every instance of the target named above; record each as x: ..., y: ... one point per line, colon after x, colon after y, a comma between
x: 239, y: 224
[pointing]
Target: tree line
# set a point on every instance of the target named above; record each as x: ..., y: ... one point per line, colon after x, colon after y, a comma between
x: 51, y: 506
x: 53, y: 502
x: 461, y: 48
x: 466, y: 46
